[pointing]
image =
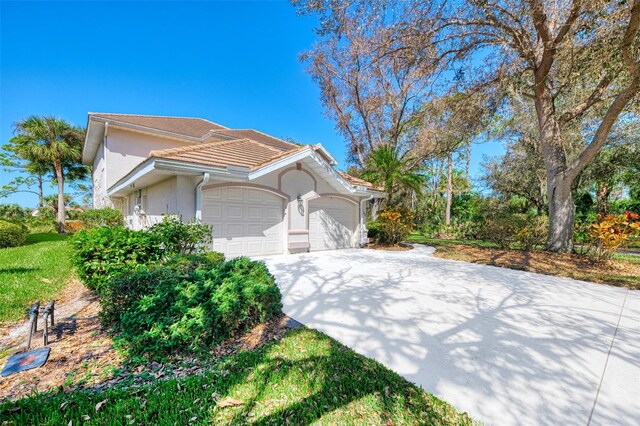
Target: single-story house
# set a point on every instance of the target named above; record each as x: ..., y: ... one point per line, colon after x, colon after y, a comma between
x: 263, y: 195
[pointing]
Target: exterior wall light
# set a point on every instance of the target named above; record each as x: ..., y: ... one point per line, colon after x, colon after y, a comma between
x: 300, y: 206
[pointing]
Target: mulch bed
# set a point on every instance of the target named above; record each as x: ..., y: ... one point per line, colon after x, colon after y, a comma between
x: 83, y: 355
x: 399, y: 247
x: 623, y: 274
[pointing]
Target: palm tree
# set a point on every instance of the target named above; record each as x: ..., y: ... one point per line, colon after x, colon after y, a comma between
x: 52, y: 141
x: 388, y: 167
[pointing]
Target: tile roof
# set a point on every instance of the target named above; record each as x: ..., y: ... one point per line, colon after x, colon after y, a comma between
x: 248, y: 148
x: 193, y: 127
x: 359, y: 182
x: 237, y: 152
x: 260, y: 137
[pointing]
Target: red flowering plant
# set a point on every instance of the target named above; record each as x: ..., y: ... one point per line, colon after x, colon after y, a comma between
x: 611, y: 233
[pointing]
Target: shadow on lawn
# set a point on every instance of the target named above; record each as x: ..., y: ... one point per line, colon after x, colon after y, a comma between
x: 19, y: 270
x: 302, y: 378
x: 43, y: 237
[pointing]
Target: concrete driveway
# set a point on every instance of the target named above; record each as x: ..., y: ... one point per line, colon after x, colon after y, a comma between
x: 506, y: 346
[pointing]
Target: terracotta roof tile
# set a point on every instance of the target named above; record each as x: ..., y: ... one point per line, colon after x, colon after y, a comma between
x: 194, y: 127
x: 359, y: 182
x: 249, y: 148
x: 236, y: 152
x: 260, y: 137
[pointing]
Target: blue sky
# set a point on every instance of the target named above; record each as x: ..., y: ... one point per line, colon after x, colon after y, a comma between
x: 235, y: 63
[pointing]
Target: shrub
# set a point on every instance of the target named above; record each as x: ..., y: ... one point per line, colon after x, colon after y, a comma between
x: 12, y: 234
x: 394, y: 225
x: 159, y: 310
x: 101, y: 217
x: 613, y: 232
x: 102, y: 253
x: 178, y: 237
x: 373, y: 231
x: 463, y: 230
x: 532, y: 232
x: 13, y: 212
x: 184, y: 264
x: 73, y: 226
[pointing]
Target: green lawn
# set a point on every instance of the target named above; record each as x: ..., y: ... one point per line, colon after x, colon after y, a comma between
x: 305, y: 377
x: 35, y: 271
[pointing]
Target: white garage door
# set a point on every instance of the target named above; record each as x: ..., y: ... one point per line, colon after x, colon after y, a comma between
x: 332, y: 223
x: 246, y: 222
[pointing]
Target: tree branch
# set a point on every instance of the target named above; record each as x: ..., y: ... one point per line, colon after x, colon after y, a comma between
x: 593, y: 98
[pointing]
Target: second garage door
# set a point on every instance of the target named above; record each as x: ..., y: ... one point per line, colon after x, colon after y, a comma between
x: 246, y: 222
x: 332, y: 223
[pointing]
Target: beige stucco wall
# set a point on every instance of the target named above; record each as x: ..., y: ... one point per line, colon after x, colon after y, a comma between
x: 126, y: 149
x: 173, y: 196
x: 98, y: 173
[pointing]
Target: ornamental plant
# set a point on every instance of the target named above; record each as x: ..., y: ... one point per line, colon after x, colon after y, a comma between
x: 394, y: 225
x: 611, y: 233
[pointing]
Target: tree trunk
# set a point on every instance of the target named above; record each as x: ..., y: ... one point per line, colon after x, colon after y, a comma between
x: 40, y: 192
x: 559, y: 183
x: 447, y: 213
x: 61, y: 210
x: 602, y: 198
x: 561, y: 215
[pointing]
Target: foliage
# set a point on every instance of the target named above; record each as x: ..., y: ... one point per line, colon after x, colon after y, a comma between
x: 101, y: 217
x: 373, y: 230
x: 101, y: 253
x: 304, y: 378
x: 388, y: 167
x: 501, y: 229
x: 520, y: 171
x: 394, y: 225
x: 74, y: 226
x: 457, y: 230
x: 179, y: 237
x: 505, y: 226
x: 12, y: 234
x: 574, y: 65
x: 56, y: 146
x: 532, y: 232
x: 157, y: 310
x: 613, y: 232
x: 35, y: 271
x: 13, y: 212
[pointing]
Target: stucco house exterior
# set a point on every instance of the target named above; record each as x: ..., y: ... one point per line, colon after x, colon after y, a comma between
x: 262, y: 195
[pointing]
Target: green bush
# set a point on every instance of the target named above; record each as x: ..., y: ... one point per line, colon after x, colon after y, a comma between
x: 532, y: 233
x: 159, y: 310
x: 373, y: 231
x: 13, y: 212
x: 457, y: 230
x: 506, y: 229
x: 102, y: 253
x: 394, y: 225
x: 179, y: 237
x: 12, y: 234
x: 101, y: 217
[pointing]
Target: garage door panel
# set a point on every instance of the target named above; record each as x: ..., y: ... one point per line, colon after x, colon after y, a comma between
x: 246, y: 222
x: 332, y: 223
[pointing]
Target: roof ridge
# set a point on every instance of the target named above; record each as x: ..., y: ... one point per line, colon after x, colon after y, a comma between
x: 264, y: 134
x: 161, y: 116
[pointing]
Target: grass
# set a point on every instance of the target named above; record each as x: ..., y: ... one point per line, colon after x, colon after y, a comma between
x: 302, y: 378
x: 37, y: 270
x: 623, y: 270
